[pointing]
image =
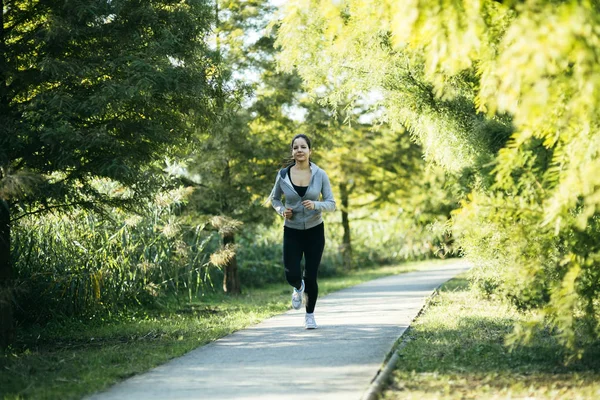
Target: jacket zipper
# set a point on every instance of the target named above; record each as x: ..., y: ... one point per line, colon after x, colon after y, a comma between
x: 312, y: 176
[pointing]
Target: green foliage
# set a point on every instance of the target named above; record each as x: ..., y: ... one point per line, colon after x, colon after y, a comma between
x: 383, y: 236
x: 393, y: 234
x: 94, y: 90
x: 74, y: 358
x: 98, y: 89
x: 234, y: 164
x: 84, y: 265
x: 81, y: 264
x: 354, y: 44
x: 455, y: 350
x: 553, y: 275
x: 503, y: 93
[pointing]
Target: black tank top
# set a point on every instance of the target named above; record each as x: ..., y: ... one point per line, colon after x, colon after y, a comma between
x: 301, y: 190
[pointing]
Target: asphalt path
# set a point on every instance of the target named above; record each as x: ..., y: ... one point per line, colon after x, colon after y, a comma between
x: 279, y: 359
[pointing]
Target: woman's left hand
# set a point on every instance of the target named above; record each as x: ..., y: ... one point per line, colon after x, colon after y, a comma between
x: 309, y: 204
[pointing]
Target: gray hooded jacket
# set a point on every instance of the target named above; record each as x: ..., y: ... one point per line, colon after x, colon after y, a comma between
x: 303, y: 218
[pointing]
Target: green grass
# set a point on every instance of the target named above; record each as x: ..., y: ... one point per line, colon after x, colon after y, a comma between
x: 456, y: 350
x: 67, y: 360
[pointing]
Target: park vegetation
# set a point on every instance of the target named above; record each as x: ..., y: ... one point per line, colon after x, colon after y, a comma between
x: 504, y: 95
x: 139, y: 141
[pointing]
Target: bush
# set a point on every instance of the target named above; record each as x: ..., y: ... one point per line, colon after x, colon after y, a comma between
x: 521, y: 259
x: 80, y: 264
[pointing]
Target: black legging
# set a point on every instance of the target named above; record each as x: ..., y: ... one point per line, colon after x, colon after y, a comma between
x: 310, y: 243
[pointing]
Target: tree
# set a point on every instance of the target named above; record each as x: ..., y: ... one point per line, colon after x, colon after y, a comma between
x: 504, y: 93
x: 373, y: 165
x: 93, y: 90
x: 232, y: 168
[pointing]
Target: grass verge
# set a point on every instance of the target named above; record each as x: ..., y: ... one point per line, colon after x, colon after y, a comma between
x: 456, y: 350
x: 69, y: 359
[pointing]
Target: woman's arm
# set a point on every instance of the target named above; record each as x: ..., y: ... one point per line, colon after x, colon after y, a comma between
x: 328, y: 202
x: 275, y: 197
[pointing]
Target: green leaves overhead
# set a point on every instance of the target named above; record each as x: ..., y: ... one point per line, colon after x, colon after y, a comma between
x: 354, y: 47
x: 100, y: 89
x: 536, y: 61
x: 508, y: 90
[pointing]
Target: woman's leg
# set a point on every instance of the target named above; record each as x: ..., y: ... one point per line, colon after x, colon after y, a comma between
x: 292, y: 255
x: 314, y: 243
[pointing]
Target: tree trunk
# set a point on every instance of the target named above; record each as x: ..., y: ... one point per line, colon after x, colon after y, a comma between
x: 6, y: 299
x: 346, y: 242
x: 231, y: 279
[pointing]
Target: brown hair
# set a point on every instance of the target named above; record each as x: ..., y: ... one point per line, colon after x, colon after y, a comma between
x: 301, y: 136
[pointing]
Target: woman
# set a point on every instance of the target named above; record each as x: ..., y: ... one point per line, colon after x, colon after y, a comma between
x: 302, y: 184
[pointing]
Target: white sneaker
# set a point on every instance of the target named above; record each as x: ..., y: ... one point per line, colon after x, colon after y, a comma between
x: 297, y: 296
x: 309, y: 321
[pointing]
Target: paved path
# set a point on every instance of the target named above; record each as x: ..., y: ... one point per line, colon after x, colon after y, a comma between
x: 279, y: 359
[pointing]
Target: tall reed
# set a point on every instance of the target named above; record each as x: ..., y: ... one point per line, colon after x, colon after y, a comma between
x: 80, y: 264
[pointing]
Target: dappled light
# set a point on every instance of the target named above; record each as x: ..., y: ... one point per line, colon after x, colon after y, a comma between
x: 143, y: 149
x: 504, y: 96
x: 457, y: 348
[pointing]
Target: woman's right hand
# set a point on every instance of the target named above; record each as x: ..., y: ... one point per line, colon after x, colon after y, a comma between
x: 287, y: 214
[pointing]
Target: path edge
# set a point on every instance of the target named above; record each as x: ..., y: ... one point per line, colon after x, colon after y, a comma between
x: 374, y: 390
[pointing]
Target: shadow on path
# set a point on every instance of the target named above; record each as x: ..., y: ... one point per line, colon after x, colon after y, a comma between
x: 278, y: 359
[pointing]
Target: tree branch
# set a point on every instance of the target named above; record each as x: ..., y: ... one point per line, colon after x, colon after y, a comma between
x: 48, y: 208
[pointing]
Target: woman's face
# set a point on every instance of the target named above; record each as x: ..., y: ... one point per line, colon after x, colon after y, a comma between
x: 300, y: 150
